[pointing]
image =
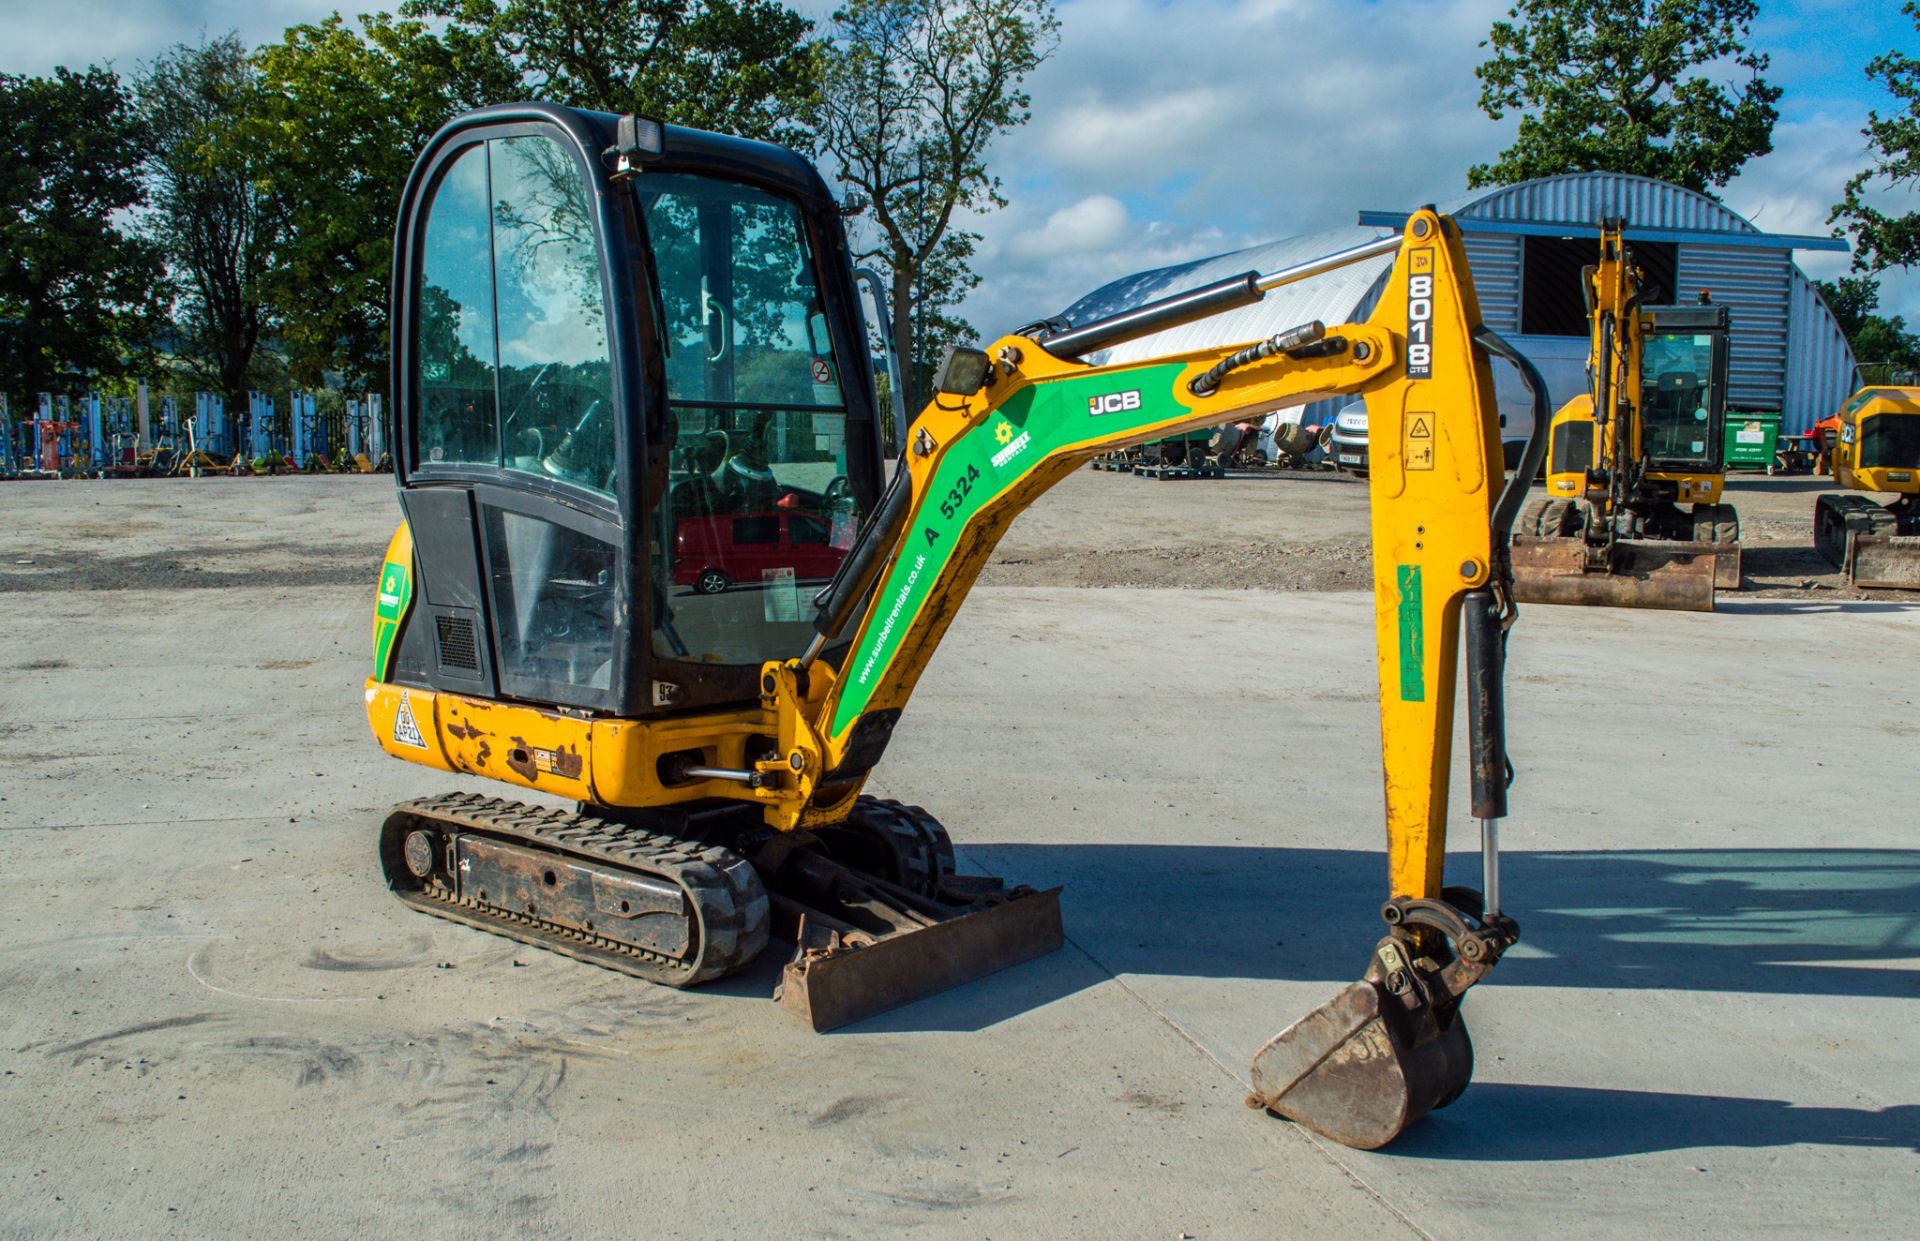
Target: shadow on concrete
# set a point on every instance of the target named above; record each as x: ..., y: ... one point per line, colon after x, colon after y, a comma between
x: 1779, y: 484
x: 1529, y: 1124
x: 1812, y: 607
x: 1839, y: 922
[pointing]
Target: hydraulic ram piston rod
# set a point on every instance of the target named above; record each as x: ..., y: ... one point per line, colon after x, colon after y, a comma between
x: 1201, y: 303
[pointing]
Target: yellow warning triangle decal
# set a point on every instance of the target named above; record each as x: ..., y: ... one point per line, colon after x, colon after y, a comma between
x: 1421, y: 431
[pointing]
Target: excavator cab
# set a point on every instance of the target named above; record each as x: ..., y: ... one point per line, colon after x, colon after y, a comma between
x: 635, y: 419
x: 1683, y: 391
x: 1877, y: 449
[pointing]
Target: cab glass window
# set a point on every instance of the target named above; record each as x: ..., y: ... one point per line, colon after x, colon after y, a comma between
x: 1677, y: 384
x: 454, y: 321
x: 511, y: 324
x: 759, y: 422
x: 556, y: 382
x: 1890, y: 441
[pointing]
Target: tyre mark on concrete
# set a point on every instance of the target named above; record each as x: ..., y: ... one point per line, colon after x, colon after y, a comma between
x: 145, y: 1027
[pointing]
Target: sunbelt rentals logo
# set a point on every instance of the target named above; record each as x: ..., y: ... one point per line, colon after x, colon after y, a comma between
x: 1012, y: 445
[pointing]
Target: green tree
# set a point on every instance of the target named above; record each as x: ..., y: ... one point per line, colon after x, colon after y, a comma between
x: 345, y: 112
x: 340, y: 116
x: 212, y: 213
x: 1881, y: 240
x: 742, y: 67
x: 78, y: 296
x: 1626, y: 86
x: 913, y: 93
x: 1881, y: 343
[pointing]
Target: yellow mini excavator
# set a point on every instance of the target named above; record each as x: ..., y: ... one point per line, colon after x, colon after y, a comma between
x: 635, y: 418
x: 1877, y: 449
x: 1625, y: 457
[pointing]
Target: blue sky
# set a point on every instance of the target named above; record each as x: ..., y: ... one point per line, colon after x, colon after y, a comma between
x: 1166, y: 130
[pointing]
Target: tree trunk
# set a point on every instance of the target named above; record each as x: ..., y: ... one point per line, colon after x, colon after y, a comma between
x: 903, y: 338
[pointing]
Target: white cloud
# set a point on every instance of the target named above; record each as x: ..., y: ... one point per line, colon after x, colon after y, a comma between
x: 1096, y: 222
x: 77, y: 33
x: 1217, y: 124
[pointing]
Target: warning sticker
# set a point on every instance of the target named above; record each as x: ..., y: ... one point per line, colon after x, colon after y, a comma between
x: 406, y: 730
x: 1418, y: 447
x: 822, y: 371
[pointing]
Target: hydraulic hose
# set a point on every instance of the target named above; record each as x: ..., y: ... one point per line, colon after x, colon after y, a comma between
x: 1507, y: 508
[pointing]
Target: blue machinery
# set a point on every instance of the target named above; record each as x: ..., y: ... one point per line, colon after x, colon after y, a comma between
x: 105, y: 435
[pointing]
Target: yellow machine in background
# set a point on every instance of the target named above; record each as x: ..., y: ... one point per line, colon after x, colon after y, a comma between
x: 1877, y: 449
x: 1623, y: 459
x: 610, y: 505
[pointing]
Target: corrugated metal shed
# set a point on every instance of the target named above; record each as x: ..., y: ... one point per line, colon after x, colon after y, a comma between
x: 1753, y: 285
x: 1821, y: 362
x: 1495, y: 263
x: 1583, y: 198
x: 1788, y: 353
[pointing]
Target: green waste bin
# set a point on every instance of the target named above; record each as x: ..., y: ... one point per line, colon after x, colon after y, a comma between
x: 1750, y: 440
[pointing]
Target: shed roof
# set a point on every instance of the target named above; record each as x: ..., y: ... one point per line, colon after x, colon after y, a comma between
x: 1569, y: 205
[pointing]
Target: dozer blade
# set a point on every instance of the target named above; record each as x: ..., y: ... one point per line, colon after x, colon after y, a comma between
x: 1884, y: 561
x: 1645, y: 573
x: 1360, y: 1069
x: 837, y: 982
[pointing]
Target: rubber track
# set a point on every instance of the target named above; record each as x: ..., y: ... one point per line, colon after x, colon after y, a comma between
x: 925, y: 848
x: 730, y: 905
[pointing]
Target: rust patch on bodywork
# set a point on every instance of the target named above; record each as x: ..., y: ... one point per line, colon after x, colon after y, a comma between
x: 520, y: 759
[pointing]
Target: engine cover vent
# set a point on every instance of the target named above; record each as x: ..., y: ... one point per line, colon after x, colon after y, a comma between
x: 459, y: 651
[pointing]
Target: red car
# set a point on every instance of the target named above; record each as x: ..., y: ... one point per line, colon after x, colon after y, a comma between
x: 712, y: 553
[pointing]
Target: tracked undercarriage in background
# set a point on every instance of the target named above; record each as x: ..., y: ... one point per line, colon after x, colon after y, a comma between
x: 652, y: 565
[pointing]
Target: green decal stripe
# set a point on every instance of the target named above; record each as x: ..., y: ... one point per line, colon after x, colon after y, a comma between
x: 1413, y: 635
x: 1035, y: 423
x: 389, y: 609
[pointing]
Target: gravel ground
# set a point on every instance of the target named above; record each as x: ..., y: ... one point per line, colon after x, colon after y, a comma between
x: 1281, y: 531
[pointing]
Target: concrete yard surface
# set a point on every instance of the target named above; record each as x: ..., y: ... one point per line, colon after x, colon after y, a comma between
x: 217, y: 1022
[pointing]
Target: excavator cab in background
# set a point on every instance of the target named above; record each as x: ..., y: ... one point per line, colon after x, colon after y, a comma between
x: 1876, y: 449
x: 1635, y: 467
x: 651, y: 566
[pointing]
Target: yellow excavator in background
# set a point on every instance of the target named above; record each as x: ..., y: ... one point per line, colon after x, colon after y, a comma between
x: 1624, y: 458
x: 1876, y: 449
x: 634, y: 415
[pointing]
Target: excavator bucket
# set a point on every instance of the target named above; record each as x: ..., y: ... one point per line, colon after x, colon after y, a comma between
x: 1361, y: 1068
x: 1862, y: 540
x: 865, y: 944
x: 1642, y: 573
x: 832, y: 981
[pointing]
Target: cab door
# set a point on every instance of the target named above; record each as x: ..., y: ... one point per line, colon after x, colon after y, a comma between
x: 511, y: 470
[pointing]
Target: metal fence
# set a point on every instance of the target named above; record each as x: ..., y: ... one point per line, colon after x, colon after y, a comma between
x: 143, y: 435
